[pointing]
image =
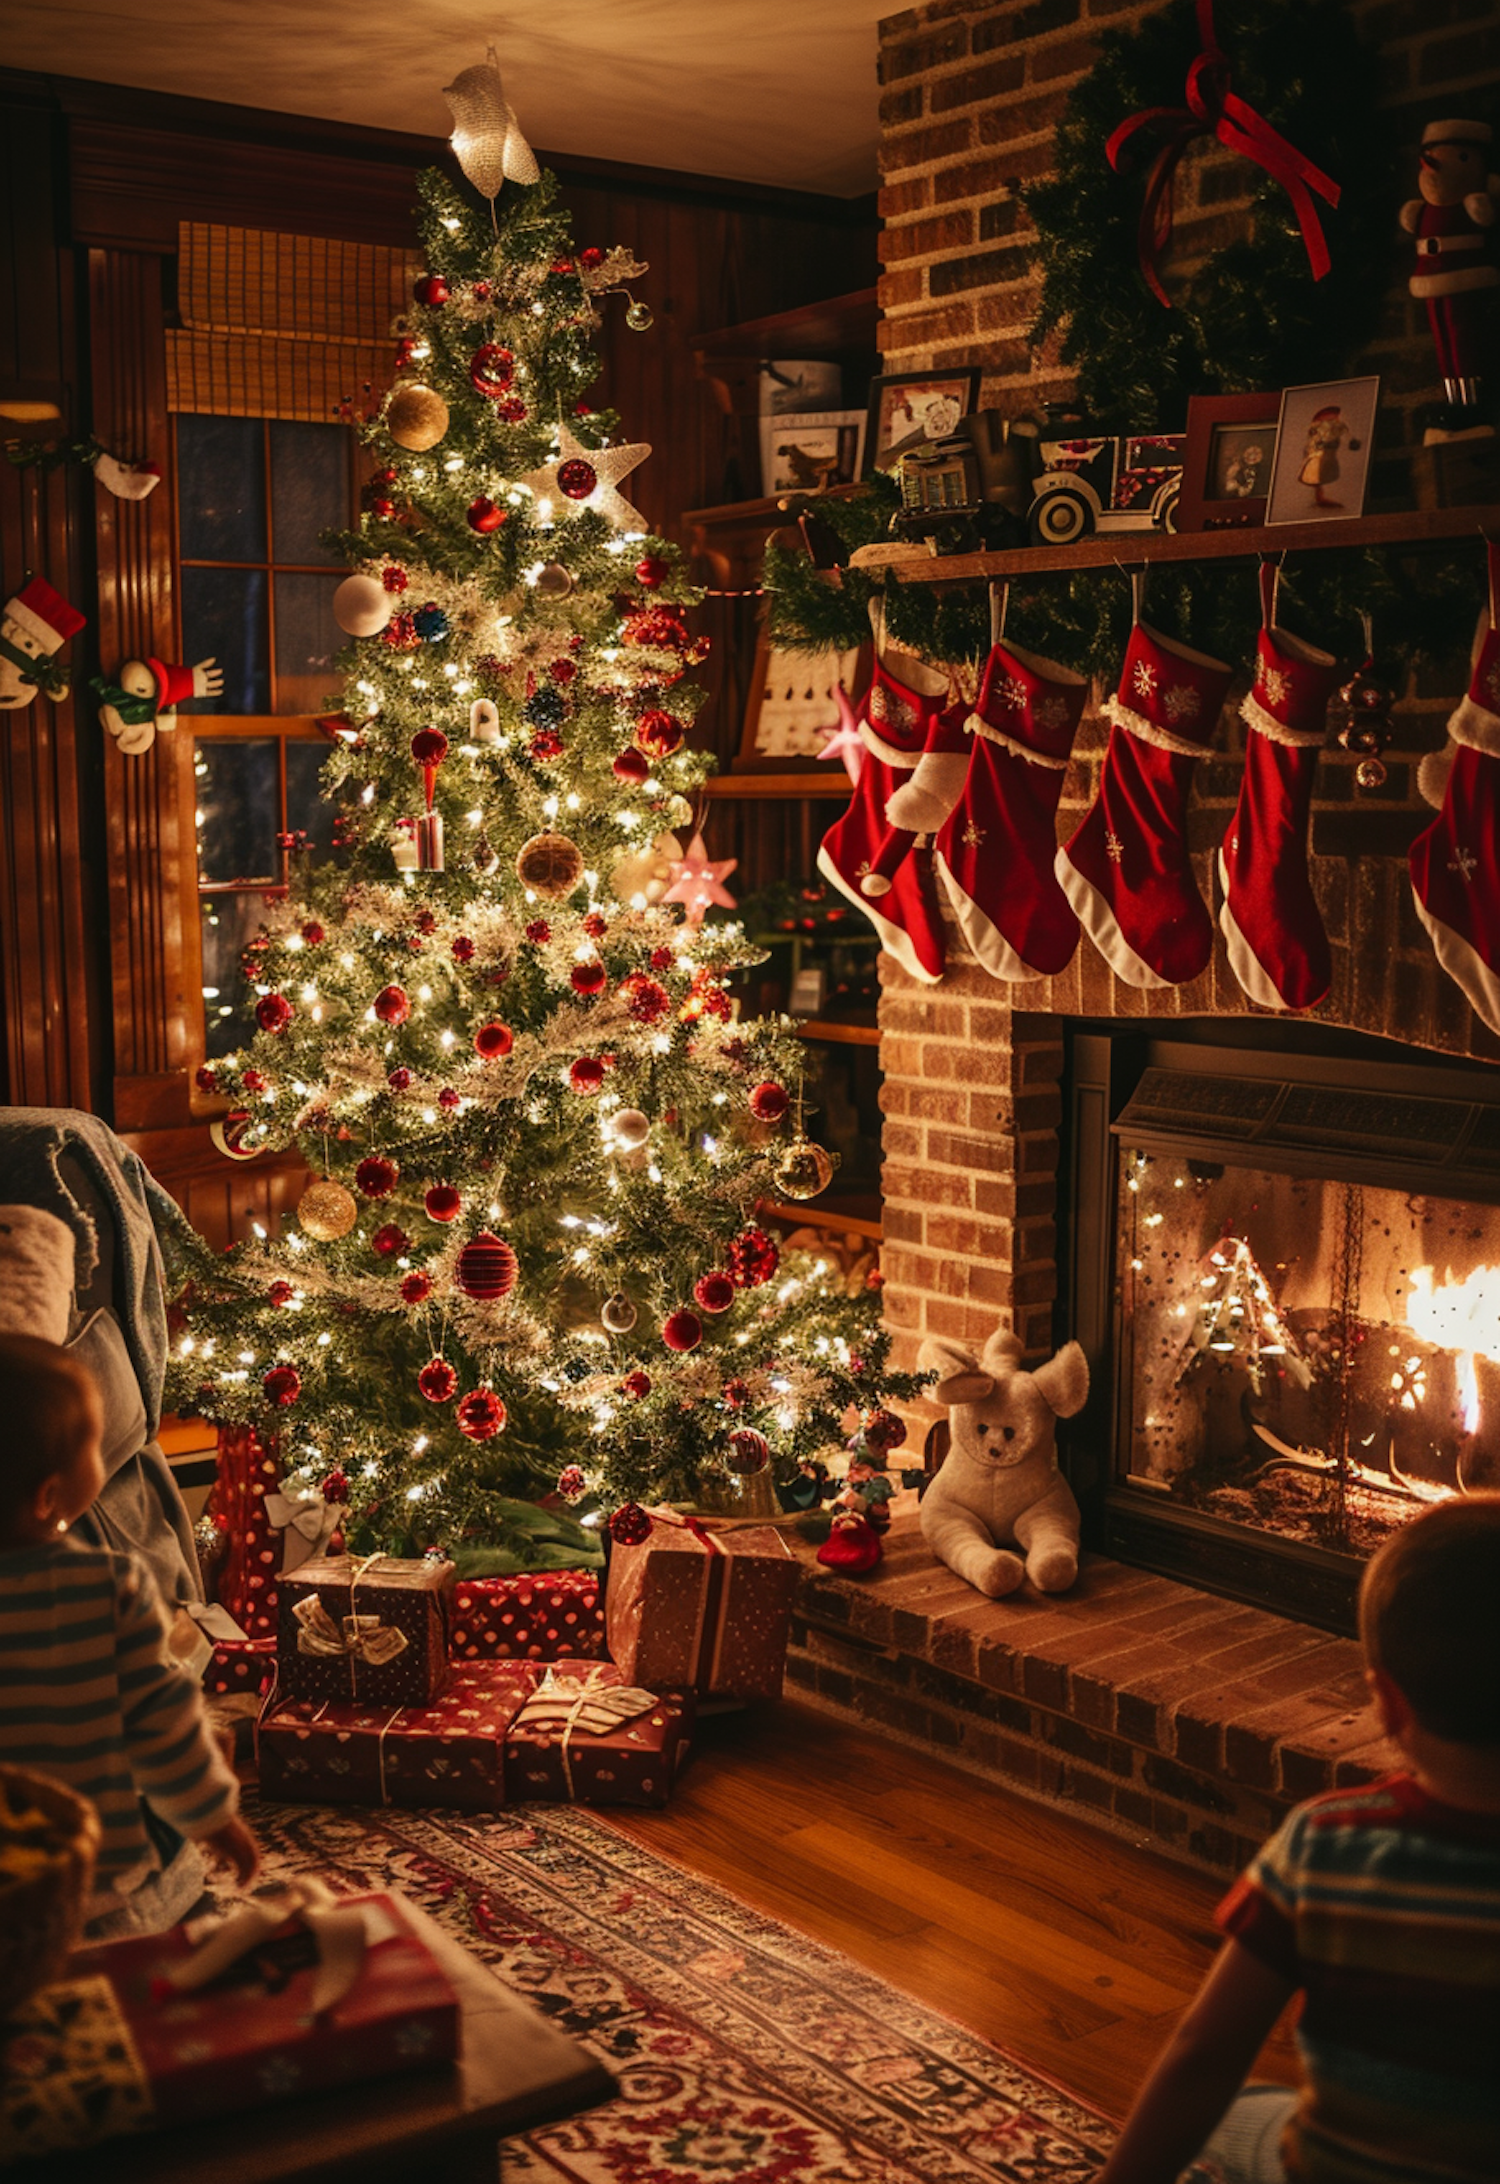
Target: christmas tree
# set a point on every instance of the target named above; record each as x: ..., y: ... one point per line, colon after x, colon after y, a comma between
x: 496, y: 1025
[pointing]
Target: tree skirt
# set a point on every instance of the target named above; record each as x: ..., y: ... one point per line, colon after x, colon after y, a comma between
x: 746, y: 2053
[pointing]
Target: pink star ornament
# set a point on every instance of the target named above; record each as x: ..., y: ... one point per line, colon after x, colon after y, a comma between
x: 844, y: 742
x: 698, y: 881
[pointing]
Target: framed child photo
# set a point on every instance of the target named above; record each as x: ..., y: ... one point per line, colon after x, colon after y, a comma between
x: 1323, y: 446
x: 1227, y: 461
x: 912, y: 409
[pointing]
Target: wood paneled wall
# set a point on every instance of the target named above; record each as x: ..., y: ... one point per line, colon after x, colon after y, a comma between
x: 93, y: 955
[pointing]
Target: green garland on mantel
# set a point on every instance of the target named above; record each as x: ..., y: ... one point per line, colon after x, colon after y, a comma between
x: 1246, y: 316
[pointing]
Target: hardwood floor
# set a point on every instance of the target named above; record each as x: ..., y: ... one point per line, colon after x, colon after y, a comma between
x: 1057, y: 1941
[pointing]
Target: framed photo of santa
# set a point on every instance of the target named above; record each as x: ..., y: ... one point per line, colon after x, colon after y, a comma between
x: 1324, y: 441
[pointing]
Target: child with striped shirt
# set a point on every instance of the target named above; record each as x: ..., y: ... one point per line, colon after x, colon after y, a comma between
x: 1381, y: 1907
x: 88, y: 1691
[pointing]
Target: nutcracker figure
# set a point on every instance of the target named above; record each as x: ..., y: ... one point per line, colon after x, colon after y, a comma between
x: 1451, y: 221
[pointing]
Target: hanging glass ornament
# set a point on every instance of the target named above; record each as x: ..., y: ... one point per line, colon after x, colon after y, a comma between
x: 630, y: 1129
x: 804, y: 1169
x: 618, y: 1314
x: 485, y: 858
x: 326, y: 1211
x: 639, y: 317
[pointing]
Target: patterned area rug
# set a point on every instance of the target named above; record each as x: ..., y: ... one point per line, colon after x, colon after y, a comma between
x: 746, y: 2053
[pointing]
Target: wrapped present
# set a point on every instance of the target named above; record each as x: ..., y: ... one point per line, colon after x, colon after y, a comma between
x: 452, y: 1753
x: 539, y: 1616
x: 291, y: 1994
x: 240, y: 1668
x: 585, y: 1736
x: 695, y: 1606
x: 248, y: 1470
x: 373, y: 1630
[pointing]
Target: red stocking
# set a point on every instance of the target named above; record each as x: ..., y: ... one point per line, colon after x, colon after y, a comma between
x: 1126, y: 870
x: 923, y: 798
x: 894, y: 727
x: 1278, y: 949
x: 1455, y: 863
x: 997, y: 852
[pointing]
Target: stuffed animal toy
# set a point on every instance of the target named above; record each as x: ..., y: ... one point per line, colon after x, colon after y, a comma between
x: 999, y: 1485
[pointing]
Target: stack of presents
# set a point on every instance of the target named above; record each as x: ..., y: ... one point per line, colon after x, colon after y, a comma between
x: 380, y: 1681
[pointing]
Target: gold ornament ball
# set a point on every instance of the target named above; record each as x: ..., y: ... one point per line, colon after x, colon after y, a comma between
x: 630, y: 1128
x: 619, y: 1314
x: 550, y: 865
x: 639, y: 317
x: 416, y: 417
x: 1369, y: 773
x: 327, y: 1211
x: 554, y: 581
x: 804, y: 1169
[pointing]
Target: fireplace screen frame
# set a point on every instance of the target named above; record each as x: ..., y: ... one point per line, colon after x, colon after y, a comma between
x: 1126, y: 1090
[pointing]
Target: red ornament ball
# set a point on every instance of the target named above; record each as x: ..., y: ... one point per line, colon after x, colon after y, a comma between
x: 682, y: 1330
x: 206, y: 1079
x: 883, y: 1430
x: 630, y: 1526
x: 443, y: 1203
x: 394, y: 577
x: 632, y: 765
x: 400, y: 631
x: 769, y: 1102
x: 595, y: 926
x: 283, y: 1384
x: 392, y: 1241
x: 429, y: 746
x: 636, y: 1385
x: 591, y: 258
x: 483, y: 515
x: 753, y: 1259
x: 335, y: 1488
x: 273, y: 1012
x: 544, y: 746
x: 492, y: 369
x: 432, y: 290
x: 511, y: 410
x: 494, y: 1041
x: 651, y: 570
x: 376, y: 1176
x: 538, y: 932
x: 562, y: 671
x: 416, y: 1288
x: 486, y: 1268
x: 570, y: 1482
x: 659, y: 734
x: 252, y: 1080
x: 449, y: 1099
x: 391, y: 1005
x: 437, y: 1380
x: 280, y: 1293
x: 462, y: 950
x: 576, y: 479
x: 480, y: 291
x: 586, y: 1075
x: 647, y: 1001
x: 399, y: 1080
x: 662, y: 959
x: 383, y: 509
x: 481, y: 1415
x: 588, y: 978
x: 313, y: 934
x: 749, y: 1451
x: 714, y: 1292
x: 736, y: 1393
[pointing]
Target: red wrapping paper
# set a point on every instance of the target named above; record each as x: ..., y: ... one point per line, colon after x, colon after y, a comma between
x: 247, y: 1472
x: 451, y: 1753
x: 410, y: 1605
x: 535, y: 1617
x: 237, y: 2045
x: 634, y: 1763
x: 240, y: 1668
x: 708, y: 1609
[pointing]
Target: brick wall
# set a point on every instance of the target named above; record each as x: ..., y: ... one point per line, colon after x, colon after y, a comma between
x: 971, y: 93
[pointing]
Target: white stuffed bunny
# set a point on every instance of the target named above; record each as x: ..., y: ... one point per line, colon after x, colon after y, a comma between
x: 999, y: 1483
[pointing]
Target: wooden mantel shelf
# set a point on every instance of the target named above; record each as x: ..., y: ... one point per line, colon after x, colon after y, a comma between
x: 1408, y: 527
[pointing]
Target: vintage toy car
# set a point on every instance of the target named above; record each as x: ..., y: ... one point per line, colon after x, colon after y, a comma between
x: 1120, y: 483
x: 972, y: 488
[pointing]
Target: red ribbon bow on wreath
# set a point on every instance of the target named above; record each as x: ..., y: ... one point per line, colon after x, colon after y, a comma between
x: 1214, y: 110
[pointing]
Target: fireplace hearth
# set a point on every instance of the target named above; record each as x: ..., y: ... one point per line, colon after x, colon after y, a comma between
x: 1300, y: 1312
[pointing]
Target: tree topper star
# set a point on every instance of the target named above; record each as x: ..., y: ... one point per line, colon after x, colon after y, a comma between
x: 844, y: 742
x: 582, y: 477
x: 697, y: 881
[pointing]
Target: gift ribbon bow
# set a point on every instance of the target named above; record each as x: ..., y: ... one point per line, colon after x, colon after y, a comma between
x: 568, y: 1704
x: 48, y: 673
x: 1214, y: 110
x: 339, y: 1936
x: 309, y: 1523
x: 361, y: 1637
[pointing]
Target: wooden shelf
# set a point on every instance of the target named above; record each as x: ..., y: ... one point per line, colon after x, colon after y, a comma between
x: 811, y: 1215
x: 832, y: 324
x: 1409, y: 527
x: 836, y: 1034
x: 771, y: 511
x: 833, y: 784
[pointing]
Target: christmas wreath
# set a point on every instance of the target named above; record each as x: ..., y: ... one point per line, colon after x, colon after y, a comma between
x: 1248, y: 313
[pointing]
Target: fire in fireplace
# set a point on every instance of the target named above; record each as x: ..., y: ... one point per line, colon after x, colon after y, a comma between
x: 1306, y: 1323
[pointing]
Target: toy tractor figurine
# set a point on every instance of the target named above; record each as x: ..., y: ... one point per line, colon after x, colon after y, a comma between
x: 972, y: 489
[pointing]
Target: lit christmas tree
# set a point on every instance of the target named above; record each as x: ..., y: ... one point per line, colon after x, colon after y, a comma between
x: 496, y: 1026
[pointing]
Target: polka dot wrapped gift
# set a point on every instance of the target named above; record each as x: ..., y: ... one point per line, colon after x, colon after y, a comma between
x: 586, y: 1737
x: 538, y: 1616
x: 696, y: 1606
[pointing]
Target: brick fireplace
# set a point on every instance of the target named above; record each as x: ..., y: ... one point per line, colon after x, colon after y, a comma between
x: 1160, y: 1708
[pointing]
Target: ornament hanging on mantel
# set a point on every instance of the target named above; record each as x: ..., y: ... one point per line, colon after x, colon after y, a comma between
x: 487, y: 140
x: 35, y: 623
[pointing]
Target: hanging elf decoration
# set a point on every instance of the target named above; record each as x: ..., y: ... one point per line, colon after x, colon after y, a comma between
x: 35, y: 624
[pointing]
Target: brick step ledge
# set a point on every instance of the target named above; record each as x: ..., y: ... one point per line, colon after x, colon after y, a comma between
x: 1181, y: 1720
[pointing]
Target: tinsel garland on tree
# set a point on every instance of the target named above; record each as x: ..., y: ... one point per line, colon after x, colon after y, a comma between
x: 534, y: 1260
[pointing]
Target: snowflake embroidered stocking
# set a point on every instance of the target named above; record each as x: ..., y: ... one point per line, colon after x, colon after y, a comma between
x: 1278, y: 949
x: 1126, y: 870
x: 1455, y: 863
x: 894, y: 727
x: 997, y: 851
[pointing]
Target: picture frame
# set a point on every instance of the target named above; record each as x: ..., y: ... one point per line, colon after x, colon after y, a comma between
x: 809, y: 452
x: 908, y: 409
x: 790, y: 708
x: 1324, y: 442
x: 1228, y: 461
